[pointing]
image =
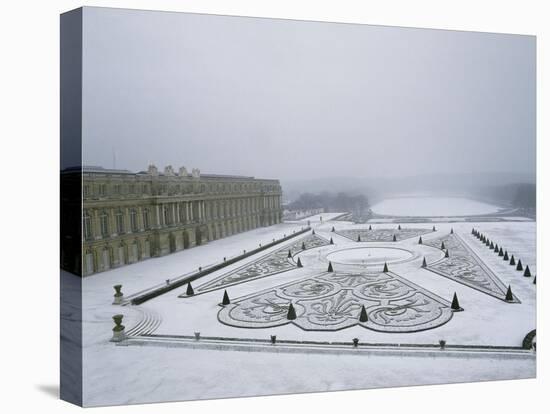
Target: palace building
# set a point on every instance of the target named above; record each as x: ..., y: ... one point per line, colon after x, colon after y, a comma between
x: 129, y: 217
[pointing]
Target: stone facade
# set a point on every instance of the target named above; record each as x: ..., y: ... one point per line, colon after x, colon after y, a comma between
x: 129, y: 217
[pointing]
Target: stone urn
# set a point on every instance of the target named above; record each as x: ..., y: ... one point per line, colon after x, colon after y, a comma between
x: 118, y: 331
x: 118, y: 296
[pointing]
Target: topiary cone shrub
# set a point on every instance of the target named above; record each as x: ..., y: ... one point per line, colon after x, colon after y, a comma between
x: 420, y: 240
x: 330, y: 269
x: 331, y: 241
x: 424, y: 264
x: 527, y: 272
x: 509, y: 296
x: 225, y: 300
x: 519, y: 266
x: 505, y: 256
x: 512, y: 261
x: 299, y: 263
x: 455, y: 305
x: 189, y: 291
x: 291, y: 314
x: 363, y: 317
x: 385, y: 268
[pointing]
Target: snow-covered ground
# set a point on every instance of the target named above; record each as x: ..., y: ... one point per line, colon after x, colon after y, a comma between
x: 432, y: 206
x: 131, y: 374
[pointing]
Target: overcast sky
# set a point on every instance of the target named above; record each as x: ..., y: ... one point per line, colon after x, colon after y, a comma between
x: 291, y: 99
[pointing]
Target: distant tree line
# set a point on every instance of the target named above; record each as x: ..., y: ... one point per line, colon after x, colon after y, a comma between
x: 526, y: 196
x: 332, y: 202
x: 520, y: 195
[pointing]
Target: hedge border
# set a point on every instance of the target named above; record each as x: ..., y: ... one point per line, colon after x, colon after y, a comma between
x: 167, y: 288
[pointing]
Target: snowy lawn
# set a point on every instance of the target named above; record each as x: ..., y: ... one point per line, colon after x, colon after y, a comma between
x: 118, y: 374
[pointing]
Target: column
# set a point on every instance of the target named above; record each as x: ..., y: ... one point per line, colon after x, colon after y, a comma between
x: 140, y: 225
x: 111, y: 223
x: 174, y: 217
x: 157, y: 216
x: 126, y: 219
x: 96, y: 227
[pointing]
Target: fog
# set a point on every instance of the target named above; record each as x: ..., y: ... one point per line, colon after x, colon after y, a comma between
x: 306, y: 101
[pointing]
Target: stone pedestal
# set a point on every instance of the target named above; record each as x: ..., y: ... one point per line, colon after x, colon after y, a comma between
x: 119, y: 334
x: 119, y: 296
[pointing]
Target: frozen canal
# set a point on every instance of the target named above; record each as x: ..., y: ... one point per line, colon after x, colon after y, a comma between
x: 433, y: 207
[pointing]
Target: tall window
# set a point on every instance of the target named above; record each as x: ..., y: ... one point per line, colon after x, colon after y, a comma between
x: 87, y: 226
x: 146, y: 219
x: 102, y: 190
x: 119, y: 222
x: 104, y: 224
x: 182, y: 213
x: 133, y: 220
x: 167, y: 220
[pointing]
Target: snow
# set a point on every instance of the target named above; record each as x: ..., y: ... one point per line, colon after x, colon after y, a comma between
x: 132, y: 374
x: 174, y: 374
x: 318, y: 218
x: 433, y: 206
x: 368, y: 255
x: 488, y: 321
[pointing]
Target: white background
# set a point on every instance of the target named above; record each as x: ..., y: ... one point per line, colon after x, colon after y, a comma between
x: 29, y: 130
